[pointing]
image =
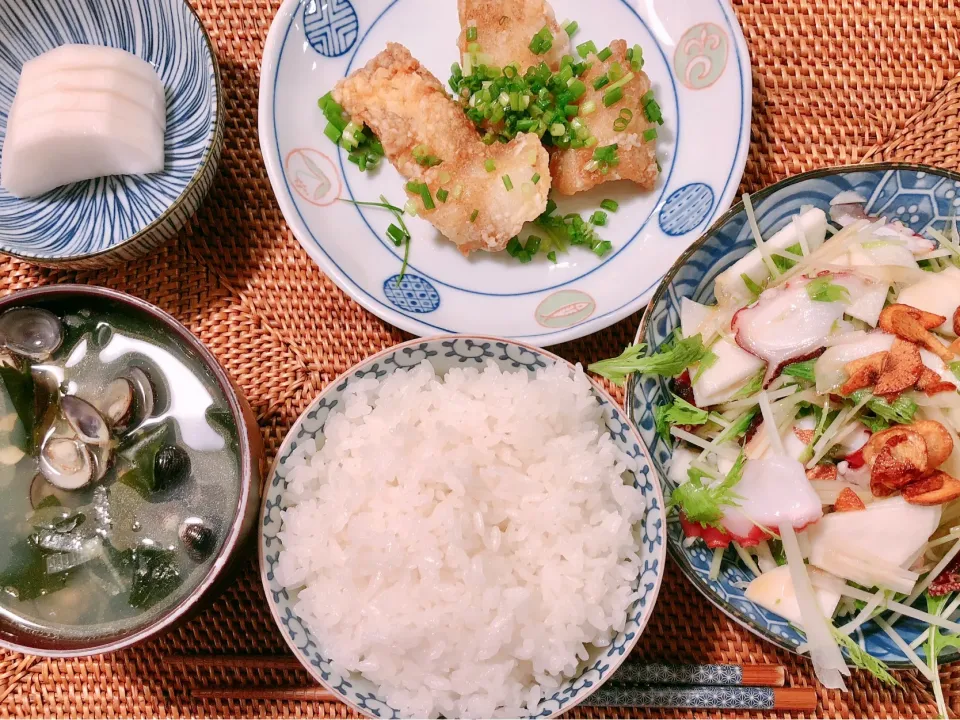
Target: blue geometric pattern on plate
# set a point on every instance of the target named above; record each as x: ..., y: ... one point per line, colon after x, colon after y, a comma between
x: 445, y: 353
x: 412, y: 293
x: 686, y: 209
x: 920, y: 198
x: 331, y: 26
x: 91, y: 217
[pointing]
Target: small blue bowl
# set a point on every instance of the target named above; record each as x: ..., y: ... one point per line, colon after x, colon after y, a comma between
x: 919, y: 197
x: 444, y: 353
x: 116, y: 219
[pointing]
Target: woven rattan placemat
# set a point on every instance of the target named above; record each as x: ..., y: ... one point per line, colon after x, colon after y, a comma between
x: 835, y: 82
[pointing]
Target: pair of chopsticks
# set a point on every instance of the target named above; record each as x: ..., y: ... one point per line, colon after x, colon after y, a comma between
x: 707, y: 687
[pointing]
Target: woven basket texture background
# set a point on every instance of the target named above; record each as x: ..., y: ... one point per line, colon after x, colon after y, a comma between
x: 835, y: 82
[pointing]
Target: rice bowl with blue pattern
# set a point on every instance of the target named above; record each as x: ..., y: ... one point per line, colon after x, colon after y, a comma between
x: 116, y: 219
x: 462, y: 526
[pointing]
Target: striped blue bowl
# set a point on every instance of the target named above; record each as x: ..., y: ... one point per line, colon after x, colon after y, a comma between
x: 918, y: 196
x: 116, y: 219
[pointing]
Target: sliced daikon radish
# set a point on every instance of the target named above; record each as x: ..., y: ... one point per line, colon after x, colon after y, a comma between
x: 729, y: 286
x: 679, y: 464
x: 774, y: 591
x: 793, y: 446
x: 55, y: 150
x: 892, y: 529
x: 107, y: 119
x: 828, y: 662
x: 722, y: 380
x: 71, y: 58
x: 938, y: 293
x: 846, y: 214
x: 868, y: 303
x: 693, y: 316
x: 93, y: 91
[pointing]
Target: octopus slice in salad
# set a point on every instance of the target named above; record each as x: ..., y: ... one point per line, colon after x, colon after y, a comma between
x: 814, y: 419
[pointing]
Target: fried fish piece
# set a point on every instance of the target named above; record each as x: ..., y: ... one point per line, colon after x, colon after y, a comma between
x: 490, y: 190
x: 505, y: 29
x: 573, y: 171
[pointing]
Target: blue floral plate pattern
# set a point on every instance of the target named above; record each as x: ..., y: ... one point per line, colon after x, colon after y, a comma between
x: 697, y: 60
x: 919, y: 197
x: 445, y: 353
x: 116, y: 219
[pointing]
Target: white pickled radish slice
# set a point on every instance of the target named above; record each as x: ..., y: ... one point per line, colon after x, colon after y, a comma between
x: 775, y: 491
x: 110, y: 120
x: 785, y: 324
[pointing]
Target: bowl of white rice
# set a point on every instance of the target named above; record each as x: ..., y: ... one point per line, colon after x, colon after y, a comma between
x: 462, y: 527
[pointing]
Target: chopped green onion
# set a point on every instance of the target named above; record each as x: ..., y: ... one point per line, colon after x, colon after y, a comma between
x: 552, y: 256
x: 490, y: 165
x: 577, y: 88
x: 507, y: 183
x: 331, y: 132
x: 542, y: 41
x: 599, y: 218
x: 473, y: 215
x: 571, y: 27
x: 604, y: 54
x: 600, y: 82
x: 442, y: 195
x: 650, y: 134
x: 615, y: 71
x: 610, y: 205
x: 588, y: 107
x: 472, y: 33
x: 535, y: 179
x: 396, y: 234
x: 612, y: 97
x: 557, y: 129
x: 602, y: 248
x: 514, y: 248
x: 444, y: 177
x: 586, y: 48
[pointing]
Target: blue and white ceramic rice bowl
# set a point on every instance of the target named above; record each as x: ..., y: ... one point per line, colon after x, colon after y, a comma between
x: 116, y: 219
x: 445, y: 353
x: 919, y: 197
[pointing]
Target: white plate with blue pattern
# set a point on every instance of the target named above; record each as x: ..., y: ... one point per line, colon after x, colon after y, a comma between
x: 115, y: 219
x: 917, y: 196
x: 444, y: 353
x: 700, y: 69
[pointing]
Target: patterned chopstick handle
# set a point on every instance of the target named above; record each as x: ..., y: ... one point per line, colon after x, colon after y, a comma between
x: 712, y: 697
x: 679, y: 674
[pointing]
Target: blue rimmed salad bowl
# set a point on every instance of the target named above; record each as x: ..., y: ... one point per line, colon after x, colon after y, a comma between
x: 920, y: 198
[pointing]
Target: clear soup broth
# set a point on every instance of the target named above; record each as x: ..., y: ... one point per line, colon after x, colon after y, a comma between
x: 119, y: 472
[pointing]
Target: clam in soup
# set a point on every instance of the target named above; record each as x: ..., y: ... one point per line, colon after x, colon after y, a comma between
x: 118, y: 471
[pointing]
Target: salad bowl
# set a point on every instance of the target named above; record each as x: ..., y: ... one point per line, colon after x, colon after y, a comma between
x: 116, y: 219
x: 445, y: 353
x: 920, y: 198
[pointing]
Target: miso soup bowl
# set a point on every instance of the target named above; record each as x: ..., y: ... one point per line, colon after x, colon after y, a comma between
x: 16, y: 635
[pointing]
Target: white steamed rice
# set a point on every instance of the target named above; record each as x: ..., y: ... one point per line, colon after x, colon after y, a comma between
x: 461, y: 540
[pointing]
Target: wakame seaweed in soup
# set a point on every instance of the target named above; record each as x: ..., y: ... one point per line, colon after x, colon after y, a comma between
x: 118, y: 470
